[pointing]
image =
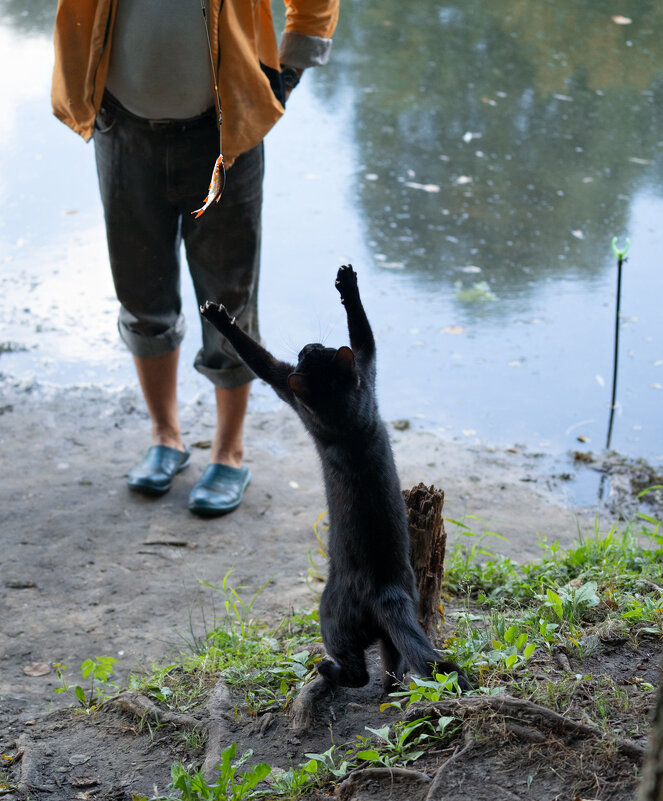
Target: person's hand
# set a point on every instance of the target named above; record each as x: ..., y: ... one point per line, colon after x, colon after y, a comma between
x: 291, y: 76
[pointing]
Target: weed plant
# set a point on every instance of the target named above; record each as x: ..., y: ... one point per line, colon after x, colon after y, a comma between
x: 513, y: 620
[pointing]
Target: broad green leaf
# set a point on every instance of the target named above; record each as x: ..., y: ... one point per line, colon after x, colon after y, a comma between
x: 382, y: 733
x: 369, y: 755
x: 510, y: 634
x: 86, y: 668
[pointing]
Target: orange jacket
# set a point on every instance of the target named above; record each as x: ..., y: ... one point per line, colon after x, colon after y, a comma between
x: 83, y: 34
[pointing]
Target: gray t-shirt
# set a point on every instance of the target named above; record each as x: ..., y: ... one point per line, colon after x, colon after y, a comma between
x: 159, y: 62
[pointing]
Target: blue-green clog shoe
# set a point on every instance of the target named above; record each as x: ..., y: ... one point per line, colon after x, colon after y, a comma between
x: 154, y: 474
x: 219, y: 490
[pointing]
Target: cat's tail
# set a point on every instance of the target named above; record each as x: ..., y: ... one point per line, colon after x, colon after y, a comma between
x: 397, y: 618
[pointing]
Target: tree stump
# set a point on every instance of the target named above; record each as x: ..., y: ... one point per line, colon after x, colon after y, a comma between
x: 428, y: 541
x: 651, y: 786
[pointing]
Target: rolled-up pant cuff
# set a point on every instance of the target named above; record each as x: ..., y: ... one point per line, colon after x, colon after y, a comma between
x: 145, y: 347
x: 229, y: 378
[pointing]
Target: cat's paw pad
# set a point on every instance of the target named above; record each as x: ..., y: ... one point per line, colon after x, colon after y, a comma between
x: 216, y: 313
x: 346, y: 279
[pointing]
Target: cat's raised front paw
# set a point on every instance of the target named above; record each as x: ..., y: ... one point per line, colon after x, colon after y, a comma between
x: 217, y: 314
x: 346, y: 280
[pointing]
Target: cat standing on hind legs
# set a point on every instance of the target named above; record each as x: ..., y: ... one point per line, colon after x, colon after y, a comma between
x: 370, y: 595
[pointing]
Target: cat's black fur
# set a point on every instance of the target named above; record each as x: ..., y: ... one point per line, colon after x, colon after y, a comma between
x: 370, y: 594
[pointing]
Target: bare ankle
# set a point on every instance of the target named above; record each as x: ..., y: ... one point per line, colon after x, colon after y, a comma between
x: 232, y: 458
x: 168, y: 436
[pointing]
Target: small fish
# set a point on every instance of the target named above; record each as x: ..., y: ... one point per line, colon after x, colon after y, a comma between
x: 216, y: 186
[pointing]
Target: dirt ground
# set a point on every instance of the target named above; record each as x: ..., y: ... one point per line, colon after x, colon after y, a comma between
x: 88, y: 568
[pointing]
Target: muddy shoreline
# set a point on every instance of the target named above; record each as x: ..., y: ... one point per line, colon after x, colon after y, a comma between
x: 88, y: 568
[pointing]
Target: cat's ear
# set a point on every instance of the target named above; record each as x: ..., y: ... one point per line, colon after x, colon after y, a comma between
x: 299, y: 386
x: 344, y: 359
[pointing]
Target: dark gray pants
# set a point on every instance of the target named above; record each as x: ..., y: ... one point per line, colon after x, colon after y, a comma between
x: 152, y: 175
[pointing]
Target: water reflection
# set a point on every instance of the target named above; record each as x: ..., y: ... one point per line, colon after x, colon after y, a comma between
x: 501, y: 147
x: 35, y: 17
x: 507, y: 135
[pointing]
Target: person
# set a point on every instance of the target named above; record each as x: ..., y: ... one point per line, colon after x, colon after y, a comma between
x: 139, y: 76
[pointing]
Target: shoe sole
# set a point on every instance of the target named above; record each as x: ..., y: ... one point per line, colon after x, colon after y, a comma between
x: 147, y: 489
x: 204, y: 511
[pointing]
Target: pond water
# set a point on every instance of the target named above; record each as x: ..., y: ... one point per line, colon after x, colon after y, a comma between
x: 473, y: 162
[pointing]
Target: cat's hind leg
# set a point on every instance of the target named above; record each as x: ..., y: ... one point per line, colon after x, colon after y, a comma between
x: 393, y: 664
x: 345, y: 670
x: 345, y: 642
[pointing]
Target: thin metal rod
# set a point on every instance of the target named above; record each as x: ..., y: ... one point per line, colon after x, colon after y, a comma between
x: 615, y: 363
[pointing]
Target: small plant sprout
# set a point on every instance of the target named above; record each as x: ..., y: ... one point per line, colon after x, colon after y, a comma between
x: 98, y: 670
x: 403, y: 742
x: 569, y: 603
x: 442, y: 686
x: 231, y: 785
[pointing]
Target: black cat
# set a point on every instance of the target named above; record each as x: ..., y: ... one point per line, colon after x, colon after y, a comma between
x: 370, y: 594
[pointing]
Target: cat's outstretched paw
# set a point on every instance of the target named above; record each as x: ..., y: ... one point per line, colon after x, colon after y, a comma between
x: 217, y: 314
x: 346, y: 281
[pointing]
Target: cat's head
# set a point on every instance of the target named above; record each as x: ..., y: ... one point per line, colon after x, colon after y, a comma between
x: 324, y: 379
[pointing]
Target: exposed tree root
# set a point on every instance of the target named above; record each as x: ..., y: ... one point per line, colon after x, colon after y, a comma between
x: 524, y: 712
x: 359, y: 777
x: 438, y: 781
x: 304, y: 705
x: 142, y: 708
x: 214, y: 723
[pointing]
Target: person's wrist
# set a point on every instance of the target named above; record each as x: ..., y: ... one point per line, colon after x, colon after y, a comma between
x: 291, y: 76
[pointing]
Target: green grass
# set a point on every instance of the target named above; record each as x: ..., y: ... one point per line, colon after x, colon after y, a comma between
x: 510, y: 621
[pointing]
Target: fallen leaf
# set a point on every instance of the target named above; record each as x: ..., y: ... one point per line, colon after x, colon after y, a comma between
x: 78, y: 759
x: 423, y: 187
x: 37, y: 669
x: 582, y: 438
x: 479, y: 291
x: 401, y: 425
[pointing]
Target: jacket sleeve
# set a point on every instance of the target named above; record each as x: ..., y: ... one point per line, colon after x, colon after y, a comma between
x: 309, y: 25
